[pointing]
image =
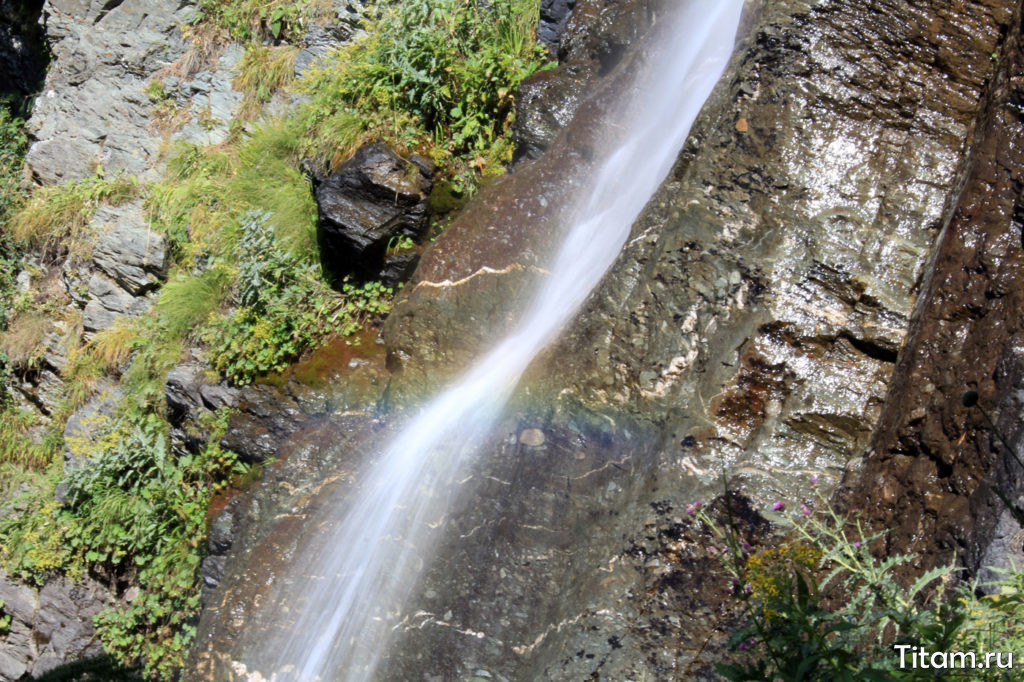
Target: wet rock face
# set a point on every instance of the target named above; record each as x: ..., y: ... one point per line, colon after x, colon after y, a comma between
x: 592, y: 37
x: 754, y: 316
x: 547, y: 102
x: 750, y: 326
x: 371, y: 199
x: 934, y: 466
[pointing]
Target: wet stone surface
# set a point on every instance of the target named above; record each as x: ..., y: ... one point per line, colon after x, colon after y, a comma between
x: 934, y: 466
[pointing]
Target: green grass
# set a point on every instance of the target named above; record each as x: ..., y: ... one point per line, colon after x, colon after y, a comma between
x: 187, y: 301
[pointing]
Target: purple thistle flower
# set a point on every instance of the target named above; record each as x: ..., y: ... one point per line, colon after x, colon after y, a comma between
x: 814, y: 481
x: 857, y: 544
x: 805, y: 510
x: 779, y: 506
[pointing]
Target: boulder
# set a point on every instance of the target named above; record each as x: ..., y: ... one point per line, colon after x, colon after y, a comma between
x: 135, y: 257
x: 369, y: 200
x: 553, y: 16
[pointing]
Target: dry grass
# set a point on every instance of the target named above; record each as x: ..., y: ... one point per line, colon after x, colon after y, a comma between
x: 55, y: 215
x: 111, y: 347
x: 23, y: 340
x: 206, y: 42
x: 262, y: 72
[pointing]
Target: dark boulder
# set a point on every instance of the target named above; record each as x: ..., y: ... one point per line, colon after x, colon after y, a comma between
x: 553, y: 16
x: 367, y: 202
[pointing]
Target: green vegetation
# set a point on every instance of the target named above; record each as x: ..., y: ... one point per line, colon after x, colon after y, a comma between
x: 13, y: 145
x: 435, y: 76
x: 283, y: 308
x: 262, y: 72
x: 820, y: 606
x: 136, y: 509
x: 245, y: 289
x: 260, y: 20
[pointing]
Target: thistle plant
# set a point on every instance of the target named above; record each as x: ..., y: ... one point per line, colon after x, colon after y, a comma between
x: 819, y: 606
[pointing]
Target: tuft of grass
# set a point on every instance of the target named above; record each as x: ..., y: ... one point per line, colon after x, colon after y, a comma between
x: 20, y: 441
x: 23, y: 340
x: 200, y: 204
x: 187, y: 301
x: 112, y: 347
x: 262, y: 72
x: 58, y: 214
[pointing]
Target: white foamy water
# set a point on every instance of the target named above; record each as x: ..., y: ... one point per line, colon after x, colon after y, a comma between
x: 365, y: 561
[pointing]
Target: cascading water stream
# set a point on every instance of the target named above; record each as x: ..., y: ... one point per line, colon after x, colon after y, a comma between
x: 364, y: 562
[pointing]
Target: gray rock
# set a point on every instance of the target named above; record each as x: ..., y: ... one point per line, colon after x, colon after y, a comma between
x: 75, y: 277
x: 133, y: 255
x: 20, y: 601
x: 190, y: 395
x: 181, y: 392
x: 55, y: 344
x: 42, y: 389
x: 553, y: 16
x: 17, y: 653
x: 108, y: 302
x: 93, y: 110
x: 50, y: 626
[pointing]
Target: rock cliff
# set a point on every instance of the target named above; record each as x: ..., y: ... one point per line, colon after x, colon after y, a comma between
x: 749, y: 329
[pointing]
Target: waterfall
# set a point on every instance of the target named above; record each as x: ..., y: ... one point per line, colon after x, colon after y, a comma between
x: 364, y: 560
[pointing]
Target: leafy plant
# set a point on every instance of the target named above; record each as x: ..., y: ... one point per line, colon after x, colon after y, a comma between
x: 134, y: 508
x: 284, y: 307
x: 438, y: 75
x: 258, y: 20
x: 13, y: 145
x: 821, y: 607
